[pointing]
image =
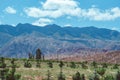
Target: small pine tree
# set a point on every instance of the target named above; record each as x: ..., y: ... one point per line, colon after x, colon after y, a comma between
x: 38, y: 54
x: 43, y: 57
x: 94, y: 64
x: 73, y: 65
x: 38, y: 64
x: 61, y: 65
x: 48, y: 75
x: 11, y: 75
x: 116, y: 66
x: 61, y: 76
x: 50, y: 64
x: 118, y: 75
x: 83, y: 77
x: 31, y: 56
x: 104, y: 65
x: 76, y: 76
x: 3, y: 69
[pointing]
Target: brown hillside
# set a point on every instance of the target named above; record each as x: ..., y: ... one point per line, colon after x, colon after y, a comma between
x: 109, y: 57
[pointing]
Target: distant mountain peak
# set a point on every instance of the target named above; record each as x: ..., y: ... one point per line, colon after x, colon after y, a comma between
x: 53, y: 25
x: 25, y: 24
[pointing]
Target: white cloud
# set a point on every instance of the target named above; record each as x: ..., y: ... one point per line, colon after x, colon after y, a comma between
x: 59, y: 8
x: 42, y: 22
x: 54, y: 9
x: 115, y: 28
x: 102, y: 15
x: 67, y: 25
x: 10, y: 10
x: 58, y: 4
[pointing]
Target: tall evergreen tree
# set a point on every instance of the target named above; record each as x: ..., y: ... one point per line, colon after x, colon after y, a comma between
x: 61, y: 76
x: 31, y: 56
x: 38, y: 54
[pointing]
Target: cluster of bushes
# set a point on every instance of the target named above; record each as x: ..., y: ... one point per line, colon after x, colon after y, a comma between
x: 77, y: 76
x: 8, y: 73
x: 101, y: 72
x: 27, y: 64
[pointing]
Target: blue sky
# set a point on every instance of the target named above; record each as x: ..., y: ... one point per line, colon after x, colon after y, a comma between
x: 76, y: 13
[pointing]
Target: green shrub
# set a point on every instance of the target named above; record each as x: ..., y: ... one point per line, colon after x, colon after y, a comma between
x: 83, y: 77
x: 50, y: 64
x: 94, y: 64
x: 2, y: 63
x: 61, y: 64
x: 116, y: 66
x: 104, y: 65
x: 11, y: 75
x: 101, y: 71
x: 76, y: 76
x: 27, y: 64
x: 38, y: 64
x: 84, y: 65
x: 3, y: 69
x: 118, y: 75
x: 72, y: 65
x: 48, y: 75
x: 94, y: 77
x: 109, y: 77
x: 61, y: 76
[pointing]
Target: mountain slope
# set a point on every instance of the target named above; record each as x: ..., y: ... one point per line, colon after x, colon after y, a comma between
x: 4, y: 38
x: 52, y: 30
x: 52, y: 39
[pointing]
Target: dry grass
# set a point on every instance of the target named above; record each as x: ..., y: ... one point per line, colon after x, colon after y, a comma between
x: 41, y: 73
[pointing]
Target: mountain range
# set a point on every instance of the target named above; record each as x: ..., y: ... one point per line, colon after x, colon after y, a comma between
x: 19, y: 40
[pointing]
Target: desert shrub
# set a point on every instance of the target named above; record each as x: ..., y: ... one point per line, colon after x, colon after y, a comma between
x: 3, y: 69
x: 116, y: 66
x: 11, y: 75
x: 76, y: 76
x: 101, y: 71
x: 61, y: 64
x: 2, y: 63
x: 94, y: 64
x: 83, y: 77
x: 109, y: 77
x: 50, y: 64
x: 72, y: 65
x: 104, y: 65
x: 94, y: 77
x: 84, y: 65
x: 61, y: 76
x: 27, y: 64
x: 118, y: 75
